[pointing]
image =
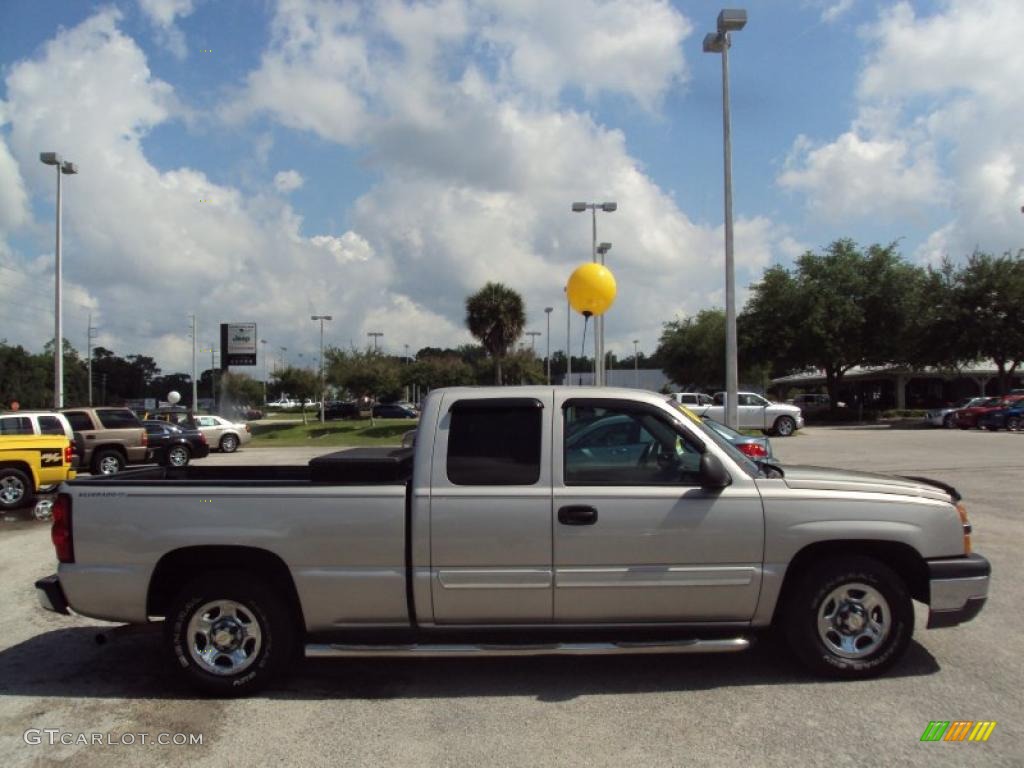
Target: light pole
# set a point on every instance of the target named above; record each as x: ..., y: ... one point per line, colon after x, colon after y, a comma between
x: 376, y: 335
x: 213, y: 379
x: 323, y: 396
x: 598, y: 321
x: 547, y: 357
x: 63, y: 167
x: 568, y: 338
x: 91, y: 334
x: 729, y: 20
x: 636, y: 365
x: 533, y: 340
x: 195, y: 383
x: 263, y: 343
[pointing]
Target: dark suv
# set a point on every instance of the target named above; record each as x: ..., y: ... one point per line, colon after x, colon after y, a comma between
x: 336, y: 409
x: 111, y: 438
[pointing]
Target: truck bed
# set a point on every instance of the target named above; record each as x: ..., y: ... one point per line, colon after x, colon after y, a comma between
x: 358, y: 466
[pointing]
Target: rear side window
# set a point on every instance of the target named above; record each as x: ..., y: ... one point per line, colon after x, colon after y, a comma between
x: 494, y: 444
x: 79, y: 421
x: 16, y: 425
x: 50, y: 425
x: 119, y: 419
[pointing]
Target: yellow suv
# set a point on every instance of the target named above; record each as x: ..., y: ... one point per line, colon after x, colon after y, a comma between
x: 29, y: 462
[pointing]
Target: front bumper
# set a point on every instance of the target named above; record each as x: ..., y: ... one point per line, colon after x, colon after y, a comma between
x: 51, y: 596
x: 958, y: 589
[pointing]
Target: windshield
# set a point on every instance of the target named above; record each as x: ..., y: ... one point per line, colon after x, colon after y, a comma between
x: 745, y: 463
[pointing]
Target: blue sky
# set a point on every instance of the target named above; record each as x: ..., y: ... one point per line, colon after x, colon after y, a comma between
x: 262, y: 161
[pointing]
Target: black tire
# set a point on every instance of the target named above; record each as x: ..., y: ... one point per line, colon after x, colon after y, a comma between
x: 265, y: 645
x: 815, y: 596
x: 229, y: 443
x: 1013, y: 423
x: 784, y: 426
x: 15, y: 489
x: 107, y: 462
x: 178, y: 456
x: 949, y: 421
x: 992, y: 427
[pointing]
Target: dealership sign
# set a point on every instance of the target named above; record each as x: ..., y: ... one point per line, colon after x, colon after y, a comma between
x: 237, y: 344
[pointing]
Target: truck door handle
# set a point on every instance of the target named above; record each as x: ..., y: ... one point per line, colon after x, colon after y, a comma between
x: 577, y: 515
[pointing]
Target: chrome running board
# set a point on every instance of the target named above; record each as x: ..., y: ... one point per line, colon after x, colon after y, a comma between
x: 439, y: 650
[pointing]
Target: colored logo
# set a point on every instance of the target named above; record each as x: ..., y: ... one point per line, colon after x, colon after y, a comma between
x: 958, y: 730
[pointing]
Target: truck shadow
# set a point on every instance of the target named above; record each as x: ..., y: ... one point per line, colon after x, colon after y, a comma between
x: 69, y: 663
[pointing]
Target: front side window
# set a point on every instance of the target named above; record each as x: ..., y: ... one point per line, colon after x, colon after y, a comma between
x: 622, y: 445
x: 495, y: 444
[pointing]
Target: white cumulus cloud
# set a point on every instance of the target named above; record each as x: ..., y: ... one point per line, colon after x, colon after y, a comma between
x: 288, y: 181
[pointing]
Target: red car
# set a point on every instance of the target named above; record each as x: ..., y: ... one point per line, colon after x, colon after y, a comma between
x: 966, y: 418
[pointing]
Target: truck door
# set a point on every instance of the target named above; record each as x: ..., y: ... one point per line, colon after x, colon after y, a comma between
x: 636, y: 539
x: 490, y: 511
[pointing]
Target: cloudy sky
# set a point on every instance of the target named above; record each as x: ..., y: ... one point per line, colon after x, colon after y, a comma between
x: 251, y: 160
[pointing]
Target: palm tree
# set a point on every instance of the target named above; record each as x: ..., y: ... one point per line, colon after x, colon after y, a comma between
x: 496, y: 316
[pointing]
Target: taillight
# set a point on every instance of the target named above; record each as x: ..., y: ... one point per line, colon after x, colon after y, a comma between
x: 753, y: 450
x: 60, y: 531
x: 202, y: 438
x: 145, y: 438
x: 967, y: 527
x: 67, y: 454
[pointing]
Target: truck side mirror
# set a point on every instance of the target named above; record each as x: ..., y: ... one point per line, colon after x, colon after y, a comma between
x: 712, y: 472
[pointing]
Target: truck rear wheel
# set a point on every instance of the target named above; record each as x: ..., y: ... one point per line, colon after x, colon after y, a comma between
x: 850, y: 618
x: 107, y: 462
x: 15, y: 488
x: 229, y: 634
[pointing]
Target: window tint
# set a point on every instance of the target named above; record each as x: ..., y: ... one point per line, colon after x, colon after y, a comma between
x: 206, y: 421
x: 626, y: 446
x: 79, y: 420
x: 494, y: 445
x: 51, y: 425
x: 16, y: 425
x: 118, y: 419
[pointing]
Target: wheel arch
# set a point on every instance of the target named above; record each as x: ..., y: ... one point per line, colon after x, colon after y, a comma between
x: 180, y: 566
x: 26, y: 468
x: 902, y: 558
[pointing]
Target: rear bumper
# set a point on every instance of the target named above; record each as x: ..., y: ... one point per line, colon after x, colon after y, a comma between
x: 51, y: 596
x: 958, y: 589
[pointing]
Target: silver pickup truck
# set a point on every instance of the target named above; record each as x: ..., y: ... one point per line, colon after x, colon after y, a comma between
x: 525, y: 521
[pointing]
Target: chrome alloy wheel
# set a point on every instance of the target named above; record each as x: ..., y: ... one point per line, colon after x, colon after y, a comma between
x: 12, y: 490
x: 178, y: 456
x: 854, y: 620
x: 224, y: 637
x: 109, y: 465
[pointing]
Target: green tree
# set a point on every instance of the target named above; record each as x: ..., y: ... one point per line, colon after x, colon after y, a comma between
x: 833, y: 311
x: 300, y: 383
x: 438, y: 371
x: 367, y: 374
x: 239, y: 389
x: 496, y: 316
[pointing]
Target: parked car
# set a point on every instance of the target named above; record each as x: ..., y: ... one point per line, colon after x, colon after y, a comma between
x: 966, y: 418
x: 755, y: 412
x: 222, y: 434
x: 692, y: 398
x: 338, y: 409
x: 42, y: 423
x: 112, y: 438
x: 173, y: 414
x: 946, y: 417
x: 814, y: 404
x: 467, y: 543
x: 175, y: 445
x: 750, y: 445
x: 393, y: 411
x: 30, y: 464
x: 284, y: 402
x: 1009, y: 418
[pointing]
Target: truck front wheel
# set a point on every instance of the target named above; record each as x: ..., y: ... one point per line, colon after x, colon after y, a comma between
x: 850, y: 618
x: 229, y: 634
x: 784, y: 426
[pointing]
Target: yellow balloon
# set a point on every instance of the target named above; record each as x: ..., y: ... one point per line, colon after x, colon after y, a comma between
x: 591, y: 289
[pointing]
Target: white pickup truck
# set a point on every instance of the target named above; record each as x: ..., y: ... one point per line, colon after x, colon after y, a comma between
x: 753, y: 411
x: 525, y: 521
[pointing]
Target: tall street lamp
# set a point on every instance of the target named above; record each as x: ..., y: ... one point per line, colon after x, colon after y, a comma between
x: 376, y: 335
x: 729, y: 20
x: 63, y: 167
x: 548, y: 311
x: 263, y: 343
x: 598, y: 321
x: 323, y: 394
x: 568, y: 337
x: 533, y: 339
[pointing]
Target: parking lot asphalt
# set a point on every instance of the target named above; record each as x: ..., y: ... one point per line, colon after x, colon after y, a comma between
x: 748, y: 709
